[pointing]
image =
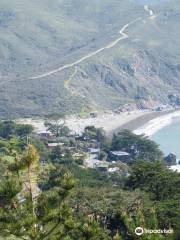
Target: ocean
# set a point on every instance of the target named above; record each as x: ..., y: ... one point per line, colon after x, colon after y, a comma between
x: 168, y: 137
x: 165, y: 131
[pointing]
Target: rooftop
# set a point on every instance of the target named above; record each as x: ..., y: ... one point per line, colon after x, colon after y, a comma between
x: 55, y: 144
x: 120, y: 153
x: 101, y: 165
x: 94, y: 150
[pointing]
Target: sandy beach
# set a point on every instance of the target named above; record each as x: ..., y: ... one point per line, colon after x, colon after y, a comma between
x: 110, y: 122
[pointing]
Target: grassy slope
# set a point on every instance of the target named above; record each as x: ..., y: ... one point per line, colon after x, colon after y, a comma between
x: 34, y: 32
x: 36, y: 36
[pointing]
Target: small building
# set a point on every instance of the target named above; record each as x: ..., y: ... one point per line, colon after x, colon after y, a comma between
x: 119, y: 156
x: 79, y: 155
x: 94, y: 153
x: 94, y: 150
x: 101, y: 166
x: 45, y: 135
x: 53, y: 145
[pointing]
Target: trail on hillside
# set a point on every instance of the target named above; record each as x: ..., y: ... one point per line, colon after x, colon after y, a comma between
x: 150, y: 11
x: 110, y: 45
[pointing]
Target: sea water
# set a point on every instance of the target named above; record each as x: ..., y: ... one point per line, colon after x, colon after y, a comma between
x: 165, y: 131
x: 168, y: 138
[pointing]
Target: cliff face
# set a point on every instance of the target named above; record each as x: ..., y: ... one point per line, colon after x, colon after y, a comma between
x: 143, y: 69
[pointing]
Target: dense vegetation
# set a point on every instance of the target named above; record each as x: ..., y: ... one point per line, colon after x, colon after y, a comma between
x: 45, y: 199
x: 142, y: 147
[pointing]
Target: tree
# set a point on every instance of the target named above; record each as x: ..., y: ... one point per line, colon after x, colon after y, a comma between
x: 168, y: 213
x: 154, y: 178
x: 22, y: 130
x: 56, y: 125
x: 170, y: 159
x: 163, y: 187
x: 93, y: 133
x: 103, y: 155
x: 26, y: 213
x: 140, y: 147
x: 8, y: 129
x: 21, y: 211
x: 56, y: 153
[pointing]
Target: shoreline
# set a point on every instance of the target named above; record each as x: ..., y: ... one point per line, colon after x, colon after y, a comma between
x: 141, y: 121
x: 156, y: 124
x: 108, y: 121
x: 135, y: 121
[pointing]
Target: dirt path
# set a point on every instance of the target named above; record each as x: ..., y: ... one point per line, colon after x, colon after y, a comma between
x: 150, y: 11
x: 110, y: 45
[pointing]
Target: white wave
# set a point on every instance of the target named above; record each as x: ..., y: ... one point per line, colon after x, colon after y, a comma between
x: 157, y: 124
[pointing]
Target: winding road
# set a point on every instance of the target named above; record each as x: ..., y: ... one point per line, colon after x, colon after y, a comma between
x: 110, y: 45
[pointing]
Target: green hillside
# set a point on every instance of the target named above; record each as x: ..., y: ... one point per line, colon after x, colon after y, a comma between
x: 39, y: 36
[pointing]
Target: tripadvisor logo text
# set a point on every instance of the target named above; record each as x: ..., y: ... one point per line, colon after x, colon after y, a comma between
x: 140, y: 231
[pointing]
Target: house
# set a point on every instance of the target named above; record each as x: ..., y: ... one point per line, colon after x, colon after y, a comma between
x: 94, y: 150
x: 53, y: 145
x: 120, y: 156
x: 92, y: 157
x: 79, y: 155
x: 101, y: 166
x: 45, y: 135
